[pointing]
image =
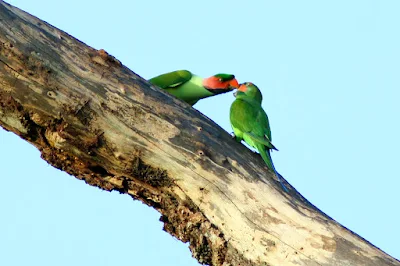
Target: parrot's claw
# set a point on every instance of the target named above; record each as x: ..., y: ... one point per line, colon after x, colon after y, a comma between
x: 235, y: 137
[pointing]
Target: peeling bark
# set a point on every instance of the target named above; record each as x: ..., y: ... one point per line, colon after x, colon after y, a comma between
x: 93, y: 118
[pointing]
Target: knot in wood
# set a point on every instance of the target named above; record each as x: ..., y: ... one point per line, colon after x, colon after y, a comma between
x: 51, y: 94
x: 200, y: 153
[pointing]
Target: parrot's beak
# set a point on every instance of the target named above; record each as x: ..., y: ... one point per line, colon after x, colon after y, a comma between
x: 235, y: 93
x: 234, y: 84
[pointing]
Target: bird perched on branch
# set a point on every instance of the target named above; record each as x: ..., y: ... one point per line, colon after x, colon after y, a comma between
x: 250, y: 123
x: 191, y: 88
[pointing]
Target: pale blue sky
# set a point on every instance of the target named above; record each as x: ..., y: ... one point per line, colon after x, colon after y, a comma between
x: 329, y: 72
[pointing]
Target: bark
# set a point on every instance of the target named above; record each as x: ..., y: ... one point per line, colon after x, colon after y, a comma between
x: 95, y: 119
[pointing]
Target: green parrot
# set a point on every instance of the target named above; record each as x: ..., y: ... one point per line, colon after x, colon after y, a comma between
x: 191, y: 88
x: 250, y: 123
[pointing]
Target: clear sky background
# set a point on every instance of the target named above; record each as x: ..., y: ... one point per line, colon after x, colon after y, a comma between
x: 329, y: 72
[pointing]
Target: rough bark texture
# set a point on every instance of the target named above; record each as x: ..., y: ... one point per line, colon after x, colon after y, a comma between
x: 95, y: 119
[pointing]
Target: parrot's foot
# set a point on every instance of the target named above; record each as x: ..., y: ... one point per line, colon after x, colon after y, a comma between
x: 235, y: 137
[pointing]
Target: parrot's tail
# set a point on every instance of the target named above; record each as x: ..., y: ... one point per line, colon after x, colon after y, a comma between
x: 265, y: 154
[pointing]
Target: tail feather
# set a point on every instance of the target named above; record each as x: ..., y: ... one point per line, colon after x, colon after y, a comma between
x: 265, y: 154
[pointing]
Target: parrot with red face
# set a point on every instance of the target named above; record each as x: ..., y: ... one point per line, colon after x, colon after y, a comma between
x: 191, y: 88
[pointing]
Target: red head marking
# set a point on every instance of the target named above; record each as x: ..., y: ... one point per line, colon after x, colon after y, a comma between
x: 243, y: 87
x: 215, y: 83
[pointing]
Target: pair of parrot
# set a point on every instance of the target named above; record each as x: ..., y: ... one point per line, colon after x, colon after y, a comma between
x: 248, y: 119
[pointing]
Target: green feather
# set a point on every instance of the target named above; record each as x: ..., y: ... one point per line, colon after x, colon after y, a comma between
x: 259, y: 139
x: 171, y: 79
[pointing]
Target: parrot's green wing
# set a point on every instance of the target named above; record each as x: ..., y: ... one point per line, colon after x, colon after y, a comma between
x: 171, y: 79
x: 262, y: 120
x: 263, y: 140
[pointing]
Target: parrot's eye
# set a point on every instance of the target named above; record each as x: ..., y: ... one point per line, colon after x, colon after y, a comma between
x: 220, y: 80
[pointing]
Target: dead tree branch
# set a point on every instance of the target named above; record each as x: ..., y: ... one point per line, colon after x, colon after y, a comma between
x: 95, y: 119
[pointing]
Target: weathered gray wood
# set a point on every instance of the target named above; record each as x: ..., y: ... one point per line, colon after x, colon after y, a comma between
x: 95, y: 119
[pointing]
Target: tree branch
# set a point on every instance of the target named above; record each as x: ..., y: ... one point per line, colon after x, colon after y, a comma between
x: 93, y: 118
